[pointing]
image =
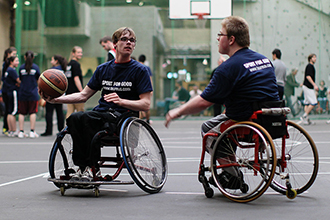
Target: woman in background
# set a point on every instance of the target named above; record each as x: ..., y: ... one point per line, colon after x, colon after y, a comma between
x: 60, y: 63
x: 10, y: 52
x: 11, y: 83
x: 28, y: 95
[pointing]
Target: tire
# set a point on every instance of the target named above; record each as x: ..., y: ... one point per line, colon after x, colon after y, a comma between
x: 301, y: 157
x: 251, y: 182
x: 60, y: 159
x: 143, y: 154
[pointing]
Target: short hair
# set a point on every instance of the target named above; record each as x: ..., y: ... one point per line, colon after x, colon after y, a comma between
x: 311, y: 56
x: 116, y: 35
x: 105, y: 39
x: 142, y: 58
x: 277, y: 53
x: 238, y: 27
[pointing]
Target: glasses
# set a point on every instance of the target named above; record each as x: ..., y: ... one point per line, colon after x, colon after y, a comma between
x: 221, y: 34
x: 125, y: 39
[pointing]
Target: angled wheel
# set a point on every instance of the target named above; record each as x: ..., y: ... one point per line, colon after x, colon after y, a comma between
x: 247, y: 151
x: 143, y: 154
x: 60, y: 159
x: 301, y: 157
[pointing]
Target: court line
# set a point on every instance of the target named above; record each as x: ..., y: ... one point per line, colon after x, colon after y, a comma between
x: 22, y: 180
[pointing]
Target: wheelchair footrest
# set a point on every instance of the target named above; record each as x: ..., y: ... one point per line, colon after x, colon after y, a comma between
x: 72, y: 182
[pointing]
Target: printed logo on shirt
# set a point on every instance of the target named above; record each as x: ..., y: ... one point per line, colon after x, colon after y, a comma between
x: 68, y: 72
x: 32, y: 72
x: 114, y: 86
x: 258, y: 65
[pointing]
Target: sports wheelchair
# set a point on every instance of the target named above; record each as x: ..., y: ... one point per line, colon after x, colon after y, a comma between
x: 137, y: 147
x: 267, y: 150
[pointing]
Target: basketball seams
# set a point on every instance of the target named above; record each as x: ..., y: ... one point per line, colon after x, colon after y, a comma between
x: 50, y: 84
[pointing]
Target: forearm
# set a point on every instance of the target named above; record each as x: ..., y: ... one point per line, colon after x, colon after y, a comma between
x: 78, y: 83
x: 311, y: 80
x: 79, y: 97
x: 136, y: 105
x: 193, y: 106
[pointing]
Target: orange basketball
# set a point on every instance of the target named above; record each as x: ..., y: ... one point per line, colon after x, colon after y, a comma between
x: 53, y: 83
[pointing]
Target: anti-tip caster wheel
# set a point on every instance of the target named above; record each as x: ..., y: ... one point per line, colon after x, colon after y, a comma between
x: 209, y: 192
x: 97, y: 192
x: 291, y: 193
x: 62, y: 190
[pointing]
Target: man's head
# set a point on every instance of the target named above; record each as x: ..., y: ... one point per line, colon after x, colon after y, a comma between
x: 142, y: 58
x: 312, y: 58
x: 106, y: 43
x: 239, y: 28
x: 276, y: 54
x: 124, y: 40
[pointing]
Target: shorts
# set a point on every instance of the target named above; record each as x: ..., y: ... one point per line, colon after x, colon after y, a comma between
x: 310, y: 96
x: 27, y: 107
x: 213, y: 125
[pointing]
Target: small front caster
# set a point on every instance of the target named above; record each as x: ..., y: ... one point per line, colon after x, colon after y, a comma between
x: 62, y: 190
x: 97, y: 192
x: 291, y: 193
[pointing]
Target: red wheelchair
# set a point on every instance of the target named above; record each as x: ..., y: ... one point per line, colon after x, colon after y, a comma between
x: 137, y: 148
x: 267, y: 150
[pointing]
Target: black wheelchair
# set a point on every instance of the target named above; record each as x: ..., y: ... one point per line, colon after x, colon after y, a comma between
x: 267, y: 150
x: 137, y: 148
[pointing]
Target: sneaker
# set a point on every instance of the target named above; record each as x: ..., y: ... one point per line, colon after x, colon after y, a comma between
x: 76, y: 176
x: 87, y: 175
x: 21, y: 135
x: 229, y: 181
x: 328, y: 122
x: 33, y: 134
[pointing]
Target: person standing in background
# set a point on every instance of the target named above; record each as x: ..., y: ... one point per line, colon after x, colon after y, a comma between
x: 146, y: 114
x: 309, y: 88
x: 28, y: 94
x: 289, y: 87
x: 280, y: 71
x: 60, y: 63
x: 106, y: 43
x: 10, y: 86
x: 75, y: 80
x: 10, y: 52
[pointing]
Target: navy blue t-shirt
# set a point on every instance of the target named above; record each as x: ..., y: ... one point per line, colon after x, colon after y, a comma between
x: 28, y: 90
x: 128, y: 80
x: 9, y: 80
x: 245, y: 78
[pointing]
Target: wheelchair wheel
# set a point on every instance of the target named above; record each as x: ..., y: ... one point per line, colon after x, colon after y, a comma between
x: 60, y: 159
x: 246, y: 149
x: 143, y: 154
x: 301, y: 157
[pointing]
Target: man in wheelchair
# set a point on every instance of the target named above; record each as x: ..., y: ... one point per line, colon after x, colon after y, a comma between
x: 245, y: 78
x: 125, y: 87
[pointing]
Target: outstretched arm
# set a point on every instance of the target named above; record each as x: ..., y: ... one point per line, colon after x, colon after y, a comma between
x: 195, y: 105
x: 79, y: 97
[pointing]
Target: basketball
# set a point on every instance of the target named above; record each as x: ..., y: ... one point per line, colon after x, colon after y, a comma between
x: 53, y: 83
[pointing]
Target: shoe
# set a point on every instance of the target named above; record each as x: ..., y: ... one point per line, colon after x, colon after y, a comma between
x: 45, y: 134
x: 229, y: 181
x: 33, y: 134
x: 87, y: 175
x: 76, y: 176
x: 328, y: 122
x: 21, y: 135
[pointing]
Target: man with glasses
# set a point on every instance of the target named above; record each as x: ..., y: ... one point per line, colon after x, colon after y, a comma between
x: 245, y: 78
x: 125, y: 87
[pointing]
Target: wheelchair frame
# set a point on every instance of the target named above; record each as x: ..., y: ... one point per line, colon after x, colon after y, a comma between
x: 147, y: 166
x: 259, y: 160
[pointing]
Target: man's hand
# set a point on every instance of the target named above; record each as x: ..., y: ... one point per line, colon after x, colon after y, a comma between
x: 112, y: 97
x: 172, y: 114
x: 45, y: 97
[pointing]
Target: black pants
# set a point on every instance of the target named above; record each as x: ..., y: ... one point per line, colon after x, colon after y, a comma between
x: 83, y: 126
x: 49, y: 117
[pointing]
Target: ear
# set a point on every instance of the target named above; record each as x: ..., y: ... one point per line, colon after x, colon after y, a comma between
x: 231, y: 40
